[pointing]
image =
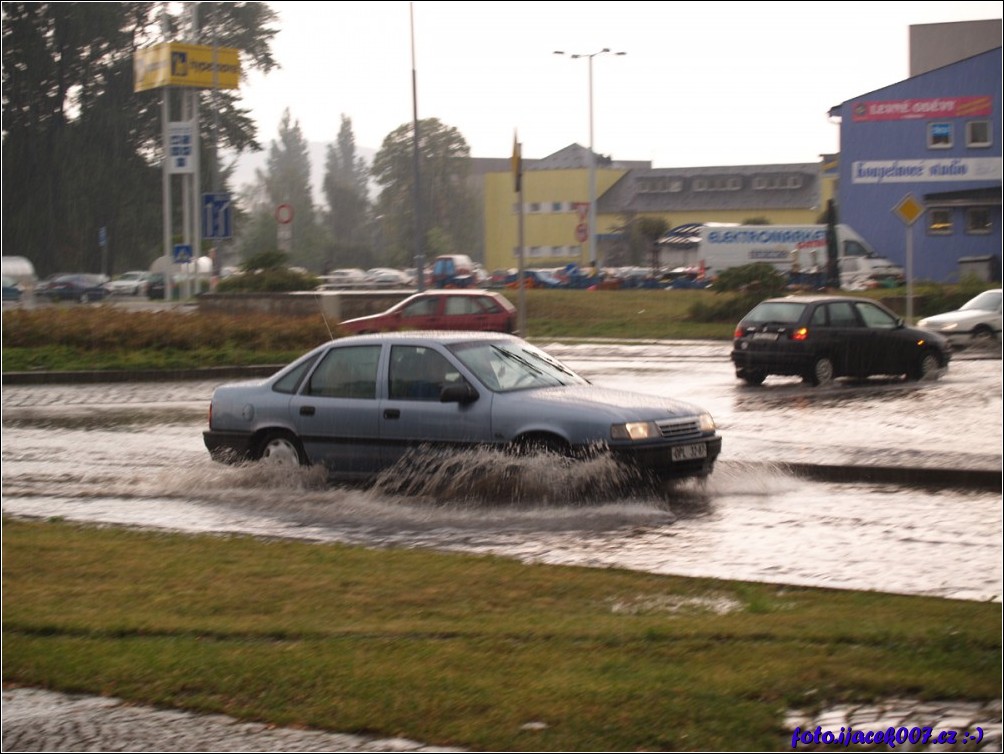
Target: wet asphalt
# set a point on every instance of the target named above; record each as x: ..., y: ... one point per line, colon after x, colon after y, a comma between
x: 41, y: 720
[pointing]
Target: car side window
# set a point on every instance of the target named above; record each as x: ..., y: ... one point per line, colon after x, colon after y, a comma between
x: 348, y: 372
x: 289, y: 382
x: 487, y: 304
x: 842, y: 315
x: 424, y: 307
x: 418, y: 373
x: 456, y: 305
x: 875, y: 317
x: 818, y: 317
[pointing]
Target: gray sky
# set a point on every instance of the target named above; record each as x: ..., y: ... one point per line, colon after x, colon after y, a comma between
x: 703, y: 83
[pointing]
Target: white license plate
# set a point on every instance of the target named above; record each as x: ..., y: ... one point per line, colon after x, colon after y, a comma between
x: 689, y: 452
x: 765, y: 336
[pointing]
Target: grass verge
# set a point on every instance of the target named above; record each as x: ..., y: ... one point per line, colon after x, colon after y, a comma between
x: 465, y: 650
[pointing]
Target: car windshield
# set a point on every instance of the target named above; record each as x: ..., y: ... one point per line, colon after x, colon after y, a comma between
x: 988, y: 301
x: 776, y: 311
x: 504, y: 366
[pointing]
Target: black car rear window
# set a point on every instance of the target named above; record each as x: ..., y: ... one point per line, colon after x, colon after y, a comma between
x: 776, y: 311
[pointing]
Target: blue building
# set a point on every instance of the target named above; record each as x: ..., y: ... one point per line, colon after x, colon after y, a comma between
x: 933, y: 140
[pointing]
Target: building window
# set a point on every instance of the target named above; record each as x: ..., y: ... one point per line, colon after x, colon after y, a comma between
x: 939, y: 222
x: 939, y: 135
x: 700, y: 184
x: 557, y: 206
x: 978, y: 221
x: 978, y: 133
x: 534, y: 207
x: 776, y: 183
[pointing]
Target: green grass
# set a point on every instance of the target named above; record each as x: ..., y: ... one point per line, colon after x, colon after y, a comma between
x: 465, y: 650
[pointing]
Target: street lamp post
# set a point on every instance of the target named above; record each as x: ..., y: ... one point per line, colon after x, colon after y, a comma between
x: 592, y: 153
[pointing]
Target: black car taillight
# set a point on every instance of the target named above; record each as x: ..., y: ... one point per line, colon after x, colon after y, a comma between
x: 801, y: 333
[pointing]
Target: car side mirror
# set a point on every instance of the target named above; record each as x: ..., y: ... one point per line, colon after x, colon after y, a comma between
x: 462, y: 393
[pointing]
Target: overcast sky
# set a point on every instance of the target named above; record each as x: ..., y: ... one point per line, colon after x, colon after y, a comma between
x: 702, y: 83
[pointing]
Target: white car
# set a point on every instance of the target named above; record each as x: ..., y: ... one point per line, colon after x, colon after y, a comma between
x: 129, y: 283
x: 977, y: 321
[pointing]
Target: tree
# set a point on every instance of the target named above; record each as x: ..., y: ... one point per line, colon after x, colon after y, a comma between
x: 81, y: 150
x: 286, y: 180
x: 638, y: 236
x: 448, y: 210
x: 347, y: 193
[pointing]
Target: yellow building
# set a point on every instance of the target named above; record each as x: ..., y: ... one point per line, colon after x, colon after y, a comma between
x: 556, y: 192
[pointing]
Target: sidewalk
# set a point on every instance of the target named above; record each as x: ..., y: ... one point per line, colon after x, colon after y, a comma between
x: 37, y: 720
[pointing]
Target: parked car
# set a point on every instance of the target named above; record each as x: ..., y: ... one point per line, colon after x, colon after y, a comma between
x: 358, y: 404
x: 129, y: 283
x: 11, y: 290
x: 976, y: 321
x: 343, y: 280
x: 387, y: 277
x: 441, y: 310
x: 80, y: 287
x: 820, y: 338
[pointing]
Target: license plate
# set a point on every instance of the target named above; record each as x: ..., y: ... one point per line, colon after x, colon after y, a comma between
x: 765, y: 336
x: 689, y: 452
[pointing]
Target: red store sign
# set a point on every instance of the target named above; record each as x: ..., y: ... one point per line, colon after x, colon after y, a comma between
x: 918, y: 109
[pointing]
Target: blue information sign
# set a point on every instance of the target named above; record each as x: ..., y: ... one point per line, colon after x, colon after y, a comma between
x: 182, y: 252
x: 217, y: 216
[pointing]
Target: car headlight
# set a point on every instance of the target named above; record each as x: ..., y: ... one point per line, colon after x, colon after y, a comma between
x: 707, y: 423
x: 634, y: 431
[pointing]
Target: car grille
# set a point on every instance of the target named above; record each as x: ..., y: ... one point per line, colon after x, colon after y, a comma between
x: 679, y: 430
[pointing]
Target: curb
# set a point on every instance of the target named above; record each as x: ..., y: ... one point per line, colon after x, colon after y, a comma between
x: 986, y: 480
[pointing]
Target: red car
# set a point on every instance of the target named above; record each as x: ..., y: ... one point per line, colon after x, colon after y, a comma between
x: 441, y: 310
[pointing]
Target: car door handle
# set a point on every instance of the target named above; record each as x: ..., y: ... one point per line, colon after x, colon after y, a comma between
x: 392, y: 413
x: 307, y: 410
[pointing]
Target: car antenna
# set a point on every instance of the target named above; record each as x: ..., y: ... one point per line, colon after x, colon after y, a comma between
x: 331, y: 335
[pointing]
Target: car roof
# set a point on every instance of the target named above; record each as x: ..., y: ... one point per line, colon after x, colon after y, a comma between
x: 457, y: 292
x: 443, y: 337
x: 812, y: 299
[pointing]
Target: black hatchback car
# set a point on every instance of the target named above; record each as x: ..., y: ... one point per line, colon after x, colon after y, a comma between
x: 820, y: 338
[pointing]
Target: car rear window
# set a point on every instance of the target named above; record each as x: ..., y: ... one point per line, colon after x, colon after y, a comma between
x: 776, y: 311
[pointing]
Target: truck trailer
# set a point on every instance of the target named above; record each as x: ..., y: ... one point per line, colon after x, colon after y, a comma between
x: 796, y: 250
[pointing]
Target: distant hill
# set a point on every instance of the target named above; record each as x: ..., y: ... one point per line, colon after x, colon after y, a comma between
x: 248, y: 164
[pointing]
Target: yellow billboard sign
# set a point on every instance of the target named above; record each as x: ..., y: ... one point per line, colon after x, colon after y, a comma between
x: 178, y: 64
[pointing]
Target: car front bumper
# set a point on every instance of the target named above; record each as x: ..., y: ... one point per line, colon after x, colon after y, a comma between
x: 663, y: 462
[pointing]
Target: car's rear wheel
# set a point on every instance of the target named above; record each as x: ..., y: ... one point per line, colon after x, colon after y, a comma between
x: 280, y: 449
x: 822, y: 372
x: 928, y: 367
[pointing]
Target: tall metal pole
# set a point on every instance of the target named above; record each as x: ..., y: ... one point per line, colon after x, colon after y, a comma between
x: 419, y: 245
x: 593, y: 258
x: 593, y: 261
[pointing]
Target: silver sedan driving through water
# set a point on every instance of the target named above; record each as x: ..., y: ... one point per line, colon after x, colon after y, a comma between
x: 357, y: 405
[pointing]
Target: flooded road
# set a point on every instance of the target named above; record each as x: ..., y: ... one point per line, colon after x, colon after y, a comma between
x: 132, y: 454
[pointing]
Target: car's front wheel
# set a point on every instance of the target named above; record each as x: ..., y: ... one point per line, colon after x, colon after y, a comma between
x: 280, y: 449
x: 982, y: 334
x: 752, y: 376
x: 928, y: 367
x: 822, y: 372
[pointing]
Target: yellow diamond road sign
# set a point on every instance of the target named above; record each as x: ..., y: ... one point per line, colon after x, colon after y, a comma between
x: 909, y: 209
